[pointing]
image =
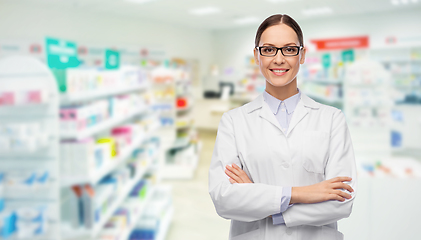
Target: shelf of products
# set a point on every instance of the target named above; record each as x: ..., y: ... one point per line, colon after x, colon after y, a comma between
x: 107, y: 124
x: 368, y: 109
x: 27, y: 84
x: 174, y: 104
x: 404, y: 65
x: 154, y: 223
x: 110, y: 155
x: 138, y: 210
x: 105, y: 170
x: 82, y: 97
x: 321, y: 77
x: 121, y: 197
x: 75, y: 141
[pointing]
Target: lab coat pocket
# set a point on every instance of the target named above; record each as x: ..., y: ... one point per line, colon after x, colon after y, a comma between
x: 252, y: 235
x: 315, y: 151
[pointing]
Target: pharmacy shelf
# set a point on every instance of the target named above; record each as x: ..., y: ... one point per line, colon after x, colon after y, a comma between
x: 67, y: 99
x: 36, y: 192
x: 104, y: 171
x: 122, y: 158
x: 107, y: 124
x: 126, y: 234
x: 165, y: 224
x: 36, y: 154
x: 120, y: 199
x: 24, y: 110
x: 82, y: 233
x: 19, y: 74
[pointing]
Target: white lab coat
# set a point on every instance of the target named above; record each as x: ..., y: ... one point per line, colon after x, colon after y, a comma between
x: 316, y: 147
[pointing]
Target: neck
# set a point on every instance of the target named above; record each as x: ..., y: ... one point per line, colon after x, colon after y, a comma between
x: 283, y: 92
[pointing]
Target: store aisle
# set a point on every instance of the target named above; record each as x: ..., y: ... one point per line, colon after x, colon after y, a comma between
x: 195, y: 216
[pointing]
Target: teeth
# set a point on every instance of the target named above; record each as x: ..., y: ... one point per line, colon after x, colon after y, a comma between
x: 279, y: 71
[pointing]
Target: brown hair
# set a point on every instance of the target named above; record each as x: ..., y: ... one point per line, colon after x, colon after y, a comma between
x: 275, y: 20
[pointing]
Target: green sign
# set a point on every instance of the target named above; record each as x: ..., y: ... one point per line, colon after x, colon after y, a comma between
x: 112, y: 59
x: 348, y: 55
x: 326, y: 62
x: 61, y: 54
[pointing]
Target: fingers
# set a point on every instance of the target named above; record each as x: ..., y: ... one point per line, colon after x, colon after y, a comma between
x: 232, y: 181
x: 341, y: 185
x: 340, y: 179
x: 337, y: 197
x: 233, y: 175
x: 238, y: 174
x: 234, y: 169
x: 342, y: 195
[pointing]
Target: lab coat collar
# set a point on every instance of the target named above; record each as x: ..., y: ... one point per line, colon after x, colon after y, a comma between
x: 303, y: 107
x: 259, y: 103
x: 274, y: 103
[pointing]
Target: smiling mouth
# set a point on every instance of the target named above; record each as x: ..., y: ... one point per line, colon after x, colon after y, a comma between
x: 279, y: 71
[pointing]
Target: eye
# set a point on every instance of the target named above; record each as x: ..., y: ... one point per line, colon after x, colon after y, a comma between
x: 290, y: 50
x: 268, y: 50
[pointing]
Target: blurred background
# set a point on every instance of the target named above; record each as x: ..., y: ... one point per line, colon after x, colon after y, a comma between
x: 109, y: 110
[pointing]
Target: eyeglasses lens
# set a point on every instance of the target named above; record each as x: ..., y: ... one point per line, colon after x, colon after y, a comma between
x: 286, y: 51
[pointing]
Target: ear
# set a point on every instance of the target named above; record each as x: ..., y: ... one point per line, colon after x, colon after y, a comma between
x: 303, y: 55
x: 256, y: 55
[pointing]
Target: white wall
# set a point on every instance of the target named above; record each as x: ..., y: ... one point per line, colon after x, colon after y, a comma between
x: 233, y: 45
x: 33, y: 23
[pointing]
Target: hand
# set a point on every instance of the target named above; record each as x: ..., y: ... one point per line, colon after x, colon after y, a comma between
x: 236, y: 174
x: 322, y: 191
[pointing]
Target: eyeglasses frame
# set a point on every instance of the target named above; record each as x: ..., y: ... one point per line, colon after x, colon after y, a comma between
x: 277, y: 49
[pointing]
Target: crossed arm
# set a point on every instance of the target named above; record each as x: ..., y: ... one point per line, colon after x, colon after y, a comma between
x: 240, y: 199
x: 319, y: 192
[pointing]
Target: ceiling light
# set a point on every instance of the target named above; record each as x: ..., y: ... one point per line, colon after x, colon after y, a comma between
x: 246, y: 20
x: 317, y: 11
x: 205, y: 11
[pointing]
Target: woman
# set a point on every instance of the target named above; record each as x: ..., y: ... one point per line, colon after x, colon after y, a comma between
x: 283, y: 165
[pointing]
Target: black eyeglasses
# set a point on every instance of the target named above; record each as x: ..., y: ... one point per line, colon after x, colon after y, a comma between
x: 288, y: 51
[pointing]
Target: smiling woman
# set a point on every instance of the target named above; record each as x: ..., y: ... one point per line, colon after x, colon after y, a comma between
x: 283, y: 165
x: 282, y: 33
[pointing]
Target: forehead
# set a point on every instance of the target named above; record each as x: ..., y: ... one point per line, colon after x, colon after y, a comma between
x: 280, y: 34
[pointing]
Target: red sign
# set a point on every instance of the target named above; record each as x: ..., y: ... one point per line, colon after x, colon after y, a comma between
x: 341, y: 43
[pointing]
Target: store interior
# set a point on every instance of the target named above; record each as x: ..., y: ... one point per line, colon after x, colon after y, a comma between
x: 109, y: 110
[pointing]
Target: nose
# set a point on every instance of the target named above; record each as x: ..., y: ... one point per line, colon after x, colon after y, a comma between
x: 279, y: 58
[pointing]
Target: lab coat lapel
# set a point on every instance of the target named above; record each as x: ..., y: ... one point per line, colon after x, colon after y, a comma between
x: 268, y: 115
x: 265, y: 112
x: 299, y: 113
x: 302, y: 109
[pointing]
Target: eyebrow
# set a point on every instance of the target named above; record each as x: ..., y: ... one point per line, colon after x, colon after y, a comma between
x: 288, y: 44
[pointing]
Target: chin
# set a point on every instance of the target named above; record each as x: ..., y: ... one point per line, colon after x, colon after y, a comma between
x: 278, y: 83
